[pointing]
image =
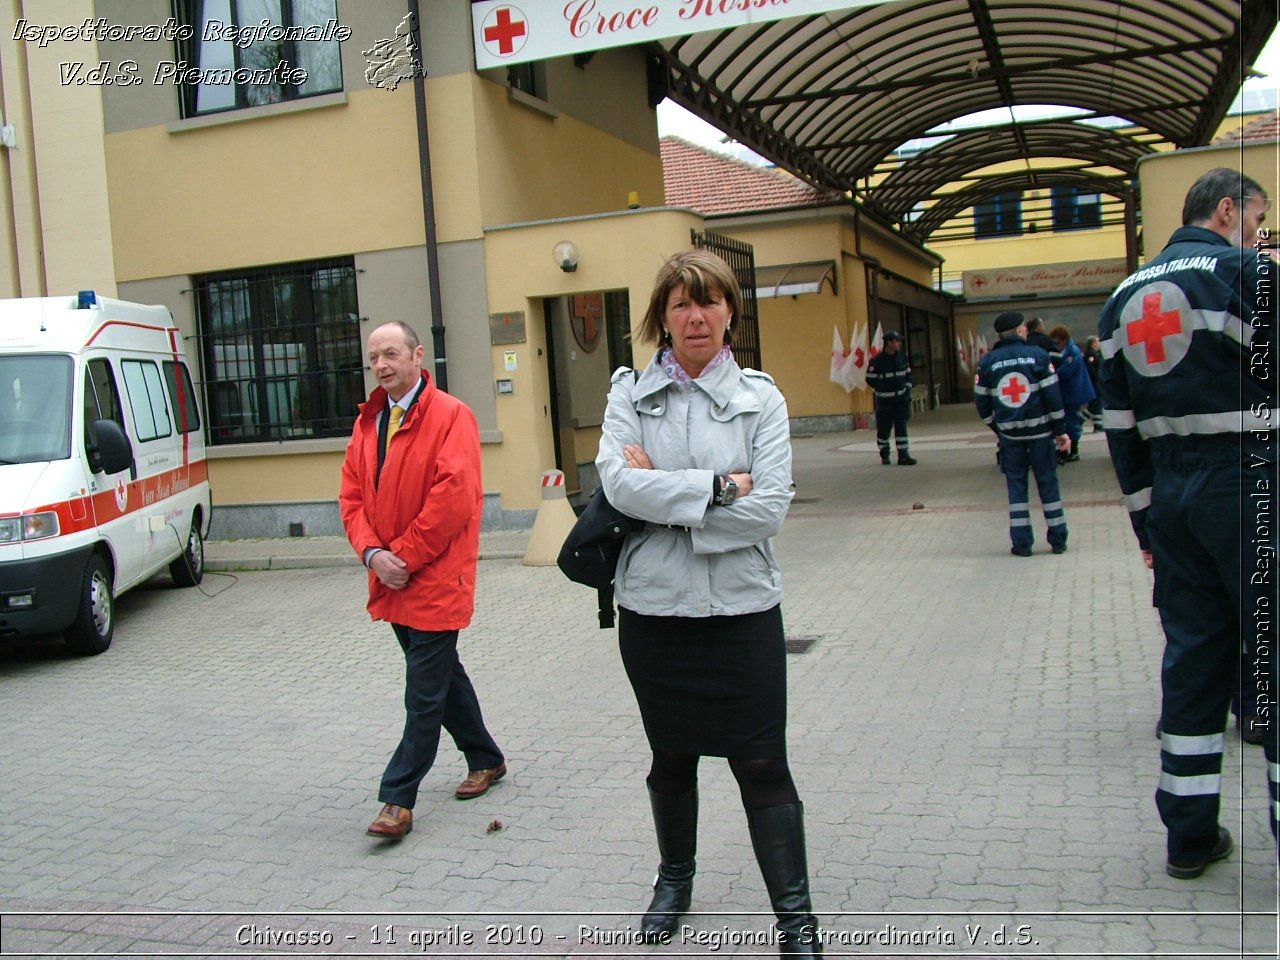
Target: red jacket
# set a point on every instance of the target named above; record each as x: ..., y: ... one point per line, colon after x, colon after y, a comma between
x: 425, y: 508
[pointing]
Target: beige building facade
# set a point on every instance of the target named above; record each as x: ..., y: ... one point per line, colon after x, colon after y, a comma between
x: 280, y: 233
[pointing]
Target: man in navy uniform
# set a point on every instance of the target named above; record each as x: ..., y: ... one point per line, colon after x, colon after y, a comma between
x: 889, y: 375
x: 1016, y: 393
x: 1189, y: 406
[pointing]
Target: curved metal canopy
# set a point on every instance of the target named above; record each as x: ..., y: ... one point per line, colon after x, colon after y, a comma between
x: 833, y: 97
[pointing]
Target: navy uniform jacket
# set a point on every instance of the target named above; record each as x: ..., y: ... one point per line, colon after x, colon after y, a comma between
x: 1016, y: 392
x: 1186, y: 359
x: 1048, y: 345
x: 889, y: 375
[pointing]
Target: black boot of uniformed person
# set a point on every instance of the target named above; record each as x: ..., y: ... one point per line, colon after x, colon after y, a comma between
x: 906, y: 460
x: 777, y: 835
x: 1074, y: 455
x: 675, y: 819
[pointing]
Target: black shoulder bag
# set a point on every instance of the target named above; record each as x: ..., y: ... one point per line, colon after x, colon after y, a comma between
x: 590, y: 553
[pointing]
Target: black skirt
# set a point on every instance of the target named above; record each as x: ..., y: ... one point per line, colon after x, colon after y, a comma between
x: 711, y: 686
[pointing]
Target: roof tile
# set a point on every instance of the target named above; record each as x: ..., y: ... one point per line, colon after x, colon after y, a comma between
x: 1265, y: 128
x: 709, y: 182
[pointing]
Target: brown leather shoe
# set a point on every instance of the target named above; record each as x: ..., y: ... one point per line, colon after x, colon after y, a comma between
x: 392, y: 822
x: 478, y: 782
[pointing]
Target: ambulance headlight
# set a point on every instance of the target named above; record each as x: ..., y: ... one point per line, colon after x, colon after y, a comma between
x: 38, y: 526
x: 10, y: 530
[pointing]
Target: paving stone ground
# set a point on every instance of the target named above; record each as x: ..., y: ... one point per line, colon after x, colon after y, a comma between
x: 972, y: 734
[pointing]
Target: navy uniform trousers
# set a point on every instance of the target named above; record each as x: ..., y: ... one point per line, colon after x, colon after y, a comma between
x: 1040, y: 456
x: 437, y: 692
x: 1214, y: 549
x: 892, y: 414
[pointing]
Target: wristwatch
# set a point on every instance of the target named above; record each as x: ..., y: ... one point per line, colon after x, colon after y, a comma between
x: 728, y: 492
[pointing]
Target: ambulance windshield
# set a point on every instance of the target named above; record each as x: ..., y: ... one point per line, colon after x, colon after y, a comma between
x: 35, y: 408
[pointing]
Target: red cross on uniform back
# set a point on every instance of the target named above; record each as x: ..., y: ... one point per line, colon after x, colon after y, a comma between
x: 1153, y: 327
x: 1013, y: 389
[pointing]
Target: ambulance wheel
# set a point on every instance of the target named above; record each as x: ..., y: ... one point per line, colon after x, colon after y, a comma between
x: 95, y: 618
x: 188, y: 569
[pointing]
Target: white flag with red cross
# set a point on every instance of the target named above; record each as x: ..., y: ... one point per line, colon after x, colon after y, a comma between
x: 859, y: 354
x: 839, y: 357
x: 962, y: 358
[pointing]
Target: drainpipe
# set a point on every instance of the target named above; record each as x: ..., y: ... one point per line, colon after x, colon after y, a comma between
x: 441, y: 373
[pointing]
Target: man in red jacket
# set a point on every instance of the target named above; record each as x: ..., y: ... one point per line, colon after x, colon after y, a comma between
x: 411, y: 503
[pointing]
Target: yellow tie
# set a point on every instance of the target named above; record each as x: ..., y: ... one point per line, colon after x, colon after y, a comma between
x: 397, y: 414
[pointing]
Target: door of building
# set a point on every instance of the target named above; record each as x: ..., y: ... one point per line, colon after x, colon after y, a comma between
x: 588, y: 337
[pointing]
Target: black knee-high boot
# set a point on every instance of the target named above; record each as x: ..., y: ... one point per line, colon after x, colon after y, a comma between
x: 777, y: 834
x: 675, y: 819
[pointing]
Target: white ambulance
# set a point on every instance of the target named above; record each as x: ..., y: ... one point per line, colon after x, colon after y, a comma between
x: 103, y: 477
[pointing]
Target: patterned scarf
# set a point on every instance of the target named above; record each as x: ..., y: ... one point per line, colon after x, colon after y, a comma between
x: 667, y: 360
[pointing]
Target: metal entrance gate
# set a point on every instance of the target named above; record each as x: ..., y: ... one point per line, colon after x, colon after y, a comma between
x: 746, y: 328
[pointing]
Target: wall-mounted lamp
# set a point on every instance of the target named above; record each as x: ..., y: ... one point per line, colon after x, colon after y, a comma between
x: 565, y: 254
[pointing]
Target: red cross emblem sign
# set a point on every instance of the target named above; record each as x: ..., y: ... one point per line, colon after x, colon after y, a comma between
x: 1013, y: 389
x: 505, y: 31
x: 1155, y: 328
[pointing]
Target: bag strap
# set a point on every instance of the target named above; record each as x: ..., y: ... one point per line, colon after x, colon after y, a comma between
x: 604, y: 595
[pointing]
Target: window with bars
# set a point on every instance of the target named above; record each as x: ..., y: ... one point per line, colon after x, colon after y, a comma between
x: 245, y: 53
x: 1076, y: 209
x: 998, y: 216
x: 282, y: 351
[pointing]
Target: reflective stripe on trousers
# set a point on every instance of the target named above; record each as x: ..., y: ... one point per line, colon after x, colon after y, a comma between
x: 1041, y: 458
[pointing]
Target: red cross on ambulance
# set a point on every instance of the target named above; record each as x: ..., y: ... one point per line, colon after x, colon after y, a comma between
x: 1013, y: 389
x: 505, y: 30
x: 1155, y: 328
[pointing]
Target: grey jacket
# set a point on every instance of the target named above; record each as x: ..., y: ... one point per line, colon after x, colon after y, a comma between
x: 694, y: 559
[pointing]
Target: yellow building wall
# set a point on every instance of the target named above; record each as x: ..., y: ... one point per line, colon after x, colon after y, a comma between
x: 1044, y: 247
x: 1048, y: 246
x: 1166, y: 178
x: 291, y: 186
x: 263, y: 478
x: 533, y: 166
x: 54, y: 185
x: 795, y: 332
x: 620, y: 251
x: 331, y: 179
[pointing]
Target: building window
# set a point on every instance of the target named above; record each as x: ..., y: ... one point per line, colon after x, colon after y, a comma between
x: 253, y: 52
x: 530, y: 78
x: 282, y: 352
x: 998, y: 216
x: 1076, y: 209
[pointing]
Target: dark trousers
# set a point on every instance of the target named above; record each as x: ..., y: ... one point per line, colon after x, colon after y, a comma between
x: 437, y: 692
x: 1214, y: 547
x: 1071, y: 414
x: 891, y: 417
x: 1041, y: 458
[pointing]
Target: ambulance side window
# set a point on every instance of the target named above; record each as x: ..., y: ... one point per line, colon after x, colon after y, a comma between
x: 143, y: 384
x: 101, y: 400
x: 187, y: 414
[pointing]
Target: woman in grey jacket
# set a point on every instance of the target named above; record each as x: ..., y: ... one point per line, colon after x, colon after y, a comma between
x: 700, y: 449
